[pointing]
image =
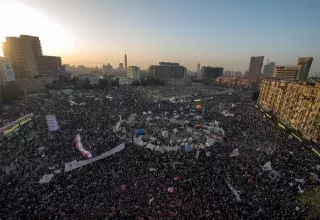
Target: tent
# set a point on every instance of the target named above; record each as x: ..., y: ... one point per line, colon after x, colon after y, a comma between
x: 198, y: 125
x: 140, y: 132
x: 198, y: 107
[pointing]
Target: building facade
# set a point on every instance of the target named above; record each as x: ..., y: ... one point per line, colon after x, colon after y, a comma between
x: 25, y: 52
x: 289, y: 73
x: 255, y: 68
x: 6, y: 72
x: 107, y: 69
x: 211, y: 73
x: 269, y: 68
x: 236, y: 81
x: 294, y: 104
x: 133, y: 72
x: 49, y: 65
x: 125, y: 81
x: 93, y: 80
x: 305, y: 63
x: 166, y: 70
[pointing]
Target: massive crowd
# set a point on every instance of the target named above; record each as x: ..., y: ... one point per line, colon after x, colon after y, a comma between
x: 139, y: 183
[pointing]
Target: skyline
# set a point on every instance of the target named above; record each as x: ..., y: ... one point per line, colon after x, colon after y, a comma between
x: 215, y: 33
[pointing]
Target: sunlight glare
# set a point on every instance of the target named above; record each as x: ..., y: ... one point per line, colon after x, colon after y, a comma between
x: 55, y: 40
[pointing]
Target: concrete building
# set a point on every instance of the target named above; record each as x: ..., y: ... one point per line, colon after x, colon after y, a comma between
x: 121, y: 66
x: 305, y: 63
x: 125, y: 81
x: 255, y: 68
x: 93, y: 80
x: 49, y: 65
x: 294, y: 104
x: 133, y: 72
x: 289, y: 73
x: 228, y: 73
x: 210, y: 73
x: 166, y: 70
x: 6, y: 72
x: 236, y: 81
x: 25, y: 52
x: 269, y: 68
x: 107, y: 69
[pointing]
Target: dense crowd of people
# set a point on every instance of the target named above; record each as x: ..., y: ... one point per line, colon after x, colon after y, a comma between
x: 139, y: 183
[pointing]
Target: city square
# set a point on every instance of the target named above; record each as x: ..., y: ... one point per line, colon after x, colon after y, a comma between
x: 255, y: 170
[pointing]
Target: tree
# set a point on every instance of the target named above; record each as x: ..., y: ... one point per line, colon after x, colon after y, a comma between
x: 10, y: 92
x: 310, y: 200
x: 115, y: 82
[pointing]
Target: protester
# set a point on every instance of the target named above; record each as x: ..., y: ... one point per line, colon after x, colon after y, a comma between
x: 140, y: 183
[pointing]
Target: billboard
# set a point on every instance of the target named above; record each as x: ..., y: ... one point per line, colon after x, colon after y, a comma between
x: 8, y: 72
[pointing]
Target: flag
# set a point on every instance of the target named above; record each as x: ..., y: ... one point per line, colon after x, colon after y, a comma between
x: 77, y: 140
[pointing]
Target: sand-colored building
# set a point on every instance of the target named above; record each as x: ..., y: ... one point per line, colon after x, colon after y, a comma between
x: 294, y: 104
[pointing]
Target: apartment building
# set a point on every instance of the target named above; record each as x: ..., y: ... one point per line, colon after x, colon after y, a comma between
x: 294, y: 104
x: 288, y: 73
x: 133, y: 72
x: 25, y: 52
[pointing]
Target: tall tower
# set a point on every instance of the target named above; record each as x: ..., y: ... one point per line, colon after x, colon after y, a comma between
x: 125, y: 60
x: 198, y: 68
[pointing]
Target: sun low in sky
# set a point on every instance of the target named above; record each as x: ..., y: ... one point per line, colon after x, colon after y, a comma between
x: 20, y: 19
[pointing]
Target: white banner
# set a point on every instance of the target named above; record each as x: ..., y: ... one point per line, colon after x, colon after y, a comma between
x: 77, y: 164
x: 234, y: 153
x: 52, y: 122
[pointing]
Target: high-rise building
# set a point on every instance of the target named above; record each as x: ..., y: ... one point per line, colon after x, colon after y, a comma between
x: 255, y: 68
x: 6, y: 72
x: 269, y: 68
x: 121, y: 66
x: 305, y: 63
x: 210, y: 73
x: 293, y: 103
x: 198, y: 69
x: 166, y: 70
x: 288, y: 73
x: 125, y: 60
x: 25, y: 52
x: 133, y: 72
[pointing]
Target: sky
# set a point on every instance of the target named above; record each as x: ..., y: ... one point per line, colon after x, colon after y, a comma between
x: 210, y: 32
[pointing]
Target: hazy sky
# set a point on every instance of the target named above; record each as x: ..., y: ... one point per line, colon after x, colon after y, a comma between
x: 211, y: 32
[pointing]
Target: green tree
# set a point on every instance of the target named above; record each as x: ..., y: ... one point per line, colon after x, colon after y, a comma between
x: 310, y: 201
x: 103, y: 82
x: 115, y: 82
x: 10, y: 92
